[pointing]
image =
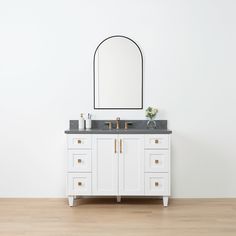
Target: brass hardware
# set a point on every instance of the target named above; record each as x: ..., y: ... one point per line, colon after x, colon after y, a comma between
x: 80, y: 183
x: 156, y: 184
x: 156, y: 161
x: 121, y: 146
x: 115, y: 146
x: 79, y: 160
x: 79, y: 141
x: 127, y: 123
x: 156, y: 141
x: 118, y: 123
x: 109, y: 124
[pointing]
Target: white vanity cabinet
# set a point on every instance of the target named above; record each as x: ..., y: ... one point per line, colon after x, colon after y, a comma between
x: 105, y: 165
x: 118, y: 165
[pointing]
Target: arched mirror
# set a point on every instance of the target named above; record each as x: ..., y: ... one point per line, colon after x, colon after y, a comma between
x: 118, y: 74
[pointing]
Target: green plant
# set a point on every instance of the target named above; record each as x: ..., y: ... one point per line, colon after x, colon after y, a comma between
x: 151, y: 112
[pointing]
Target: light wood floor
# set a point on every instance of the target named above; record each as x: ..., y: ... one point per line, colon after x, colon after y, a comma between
x: 103, y: 217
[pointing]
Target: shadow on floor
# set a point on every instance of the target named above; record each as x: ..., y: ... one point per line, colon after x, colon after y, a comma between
x: 124, y: 201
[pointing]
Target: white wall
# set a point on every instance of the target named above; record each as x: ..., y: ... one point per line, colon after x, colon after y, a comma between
x: 46, y: 51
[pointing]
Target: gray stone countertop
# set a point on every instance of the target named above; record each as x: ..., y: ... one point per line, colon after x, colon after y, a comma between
x: 135, y: 127
x: 120, y: 131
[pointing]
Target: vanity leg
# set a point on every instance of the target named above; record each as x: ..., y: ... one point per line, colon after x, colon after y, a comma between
x: 118, y: 198
x: 72, y: 201
x: 165, y: 201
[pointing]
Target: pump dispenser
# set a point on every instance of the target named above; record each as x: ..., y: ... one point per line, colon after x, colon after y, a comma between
x: 81, y: 122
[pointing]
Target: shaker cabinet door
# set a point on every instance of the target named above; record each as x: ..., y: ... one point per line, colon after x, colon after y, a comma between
x: 105, y: 165
x: 131, y: 165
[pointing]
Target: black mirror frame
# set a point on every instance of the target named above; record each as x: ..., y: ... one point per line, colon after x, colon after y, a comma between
x: 95, y: 108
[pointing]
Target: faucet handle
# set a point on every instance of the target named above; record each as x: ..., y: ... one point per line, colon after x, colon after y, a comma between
x: 127, y: 123
x: 109, y: 124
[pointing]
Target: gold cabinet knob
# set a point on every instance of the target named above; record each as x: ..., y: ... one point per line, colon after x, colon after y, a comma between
x: 156, y: 184
x: 156, y: 161
x: 80, y: 183
x: 79, y: 160
x: 156, y: 141
x: 79, y: 141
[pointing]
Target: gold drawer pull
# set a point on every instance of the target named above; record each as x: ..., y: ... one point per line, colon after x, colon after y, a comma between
x: 80, y: 183
x: 79, y: 160
x: 121, y: 146
x: 156, y: 161
x: 79, y: 141
x: 156, y: 184
x: 156, y: 141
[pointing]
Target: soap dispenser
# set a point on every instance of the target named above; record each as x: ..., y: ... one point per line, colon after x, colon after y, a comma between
x: 81, y: 122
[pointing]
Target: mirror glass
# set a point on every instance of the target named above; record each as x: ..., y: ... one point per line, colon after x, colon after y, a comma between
x: 118, y: 74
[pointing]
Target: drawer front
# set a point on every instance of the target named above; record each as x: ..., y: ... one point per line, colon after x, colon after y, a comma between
x: 156, y: 160
x: 157, y: 141
x: 79, y: 141
x: 79, y: 161
x: 157, y: 184
x: 79, y: 184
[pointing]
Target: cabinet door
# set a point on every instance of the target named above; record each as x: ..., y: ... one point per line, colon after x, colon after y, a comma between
x: 131, y: 164
x: 105, y: 165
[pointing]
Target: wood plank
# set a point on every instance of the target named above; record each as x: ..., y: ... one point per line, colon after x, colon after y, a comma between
x: 183, y: 217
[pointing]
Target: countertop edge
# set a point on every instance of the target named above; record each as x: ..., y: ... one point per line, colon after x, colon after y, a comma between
x: 94, y: 131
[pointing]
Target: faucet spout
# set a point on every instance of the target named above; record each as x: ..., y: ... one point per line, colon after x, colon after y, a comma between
x: 118, y: 123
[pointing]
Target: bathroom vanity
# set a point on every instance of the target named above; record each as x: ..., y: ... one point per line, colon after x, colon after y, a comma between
x: 128, y: 159
x: 119, y: 162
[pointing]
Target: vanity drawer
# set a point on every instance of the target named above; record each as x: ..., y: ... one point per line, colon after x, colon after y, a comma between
x: 157, y: 141
x: 79, y: 160
x: 77, y: 141
x: 79, y: 184
x: 156, y: 184
x: 156, y: 160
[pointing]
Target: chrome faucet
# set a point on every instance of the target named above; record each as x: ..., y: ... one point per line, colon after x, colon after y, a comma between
x: 118, y: 123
